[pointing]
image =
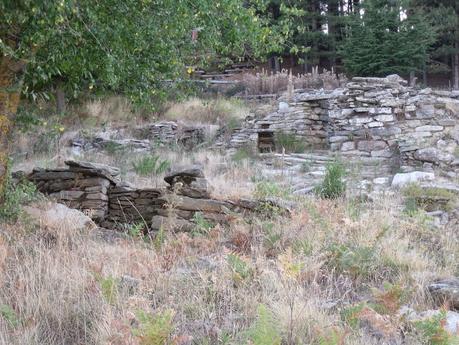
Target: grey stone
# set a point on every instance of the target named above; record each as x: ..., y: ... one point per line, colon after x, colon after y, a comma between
x: 190, y: 173
x: 403, y: 179
x: 433, y: 155
x: 446, y: 290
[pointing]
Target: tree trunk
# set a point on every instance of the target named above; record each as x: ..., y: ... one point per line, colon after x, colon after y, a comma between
x: 60, y: 98
x: 456, y: 68
x: 10, y: 92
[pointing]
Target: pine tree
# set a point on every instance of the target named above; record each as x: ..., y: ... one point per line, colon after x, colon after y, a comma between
x: 386, y: 38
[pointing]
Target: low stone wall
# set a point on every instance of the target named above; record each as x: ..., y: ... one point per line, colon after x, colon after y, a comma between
x: 96, y: 190
x: 81, y: 186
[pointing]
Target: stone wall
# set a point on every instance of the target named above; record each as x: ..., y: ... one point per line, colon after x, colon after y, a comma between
x: 96, y: 190
x: 370, y: 117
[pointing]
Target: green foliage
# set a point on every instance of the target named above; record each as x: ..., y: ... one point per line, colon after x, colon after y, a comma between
x: 154, y: 330
x: 16, y: 195
x: 243, y: 154
x: 241, y: 270
x: 432, y: 330
x: 202, y: 225
x: 150, y: 165
x: 265, y: 189
x: 264, y: 330
x: 129, y: 47
x: 9, y: 315
x: 379, y: 42
x: 135, y: 230
x: 357, y: 261
x: 333, y: 185
x: 350, y: 315
x: 272, y: 236
x: 108, y: 288
x: 429, y: 199
x: 289, y: 142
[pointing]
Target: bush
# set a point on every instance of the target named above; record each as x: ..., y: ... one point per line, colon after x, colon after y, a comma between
x: 432, y: 330
x: 151, y: 165
x: 333, y: 186
x: 15, y: 196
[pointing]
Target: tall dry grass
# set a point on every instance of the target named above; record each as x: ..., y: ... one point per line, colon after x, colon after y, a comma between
x: 65, y: 287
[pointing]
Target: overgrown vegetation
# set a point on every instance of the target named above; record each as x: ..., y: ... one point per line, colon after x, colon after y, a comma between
x: 290, y: 143
x: 333, y: 185
x: 151, y: 165
x: 16, y: 195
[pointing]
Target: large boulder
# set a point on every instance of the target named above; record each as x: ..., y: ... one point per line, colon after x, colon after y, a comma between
x: 58, y: 216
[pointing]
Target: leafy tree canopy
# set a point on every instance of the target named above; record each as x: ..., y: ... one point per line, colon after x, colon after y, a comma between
x: 128, y: 46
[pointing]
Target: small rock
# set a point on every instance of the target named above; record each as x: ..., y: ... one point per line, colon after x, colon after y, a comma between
x: 446, y: 290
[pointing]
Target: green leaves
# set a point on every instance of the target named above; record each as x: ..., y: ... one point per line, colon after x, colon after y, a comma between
x: 127, y: 46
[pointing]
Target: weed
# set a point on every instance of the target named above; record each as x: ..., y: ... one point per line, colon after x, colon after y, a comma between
x: 244, y: 153
x: 390, y: 299
x: 429, y: 199
x: 350, y: 315
x: 135, y: 230
x: 108, y: 288
x: 15, y: 196
x: 333, y: 186
x: 432, y: 330
x: 302, y: 247
x: 154, y: 330
x: 357, y: 261
x: 264, y: 330
x: 240, y: 269
x: 265, y: 189
x: 289, y: 142
x: 9, y: 315
x: 160, y: 238
x: 151, y: 165
x: 202, y: 225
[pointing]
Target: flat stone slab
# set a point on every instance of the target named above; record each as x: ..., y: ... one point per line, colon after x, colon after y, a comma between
x: 110, y: 173
x: 446, y: 290
x: 192, y: 172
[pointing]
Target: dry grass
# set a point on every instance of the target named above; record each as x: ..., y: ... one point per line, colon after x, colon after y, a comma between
x: 219, y: 111
x: 276, y: 83
x: 64, y: 288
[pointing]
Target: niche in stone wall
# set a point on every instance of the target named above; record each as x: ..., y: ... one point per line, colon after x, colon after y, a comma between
x: 266, y: 141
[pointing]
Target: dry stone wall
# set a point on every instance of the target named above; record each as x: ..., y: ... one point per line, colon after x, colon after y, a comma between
x: 97, y: 190
x: 371, y: 117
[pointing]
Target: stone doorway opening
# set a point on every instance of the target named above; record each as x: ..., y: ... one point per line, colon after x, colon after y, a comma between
x: 266, y: 141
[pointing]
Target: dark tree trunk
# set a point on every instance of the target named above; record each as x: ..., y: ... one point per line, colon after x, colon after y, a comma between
x: 456, y: 68
x: 10, y: 93
x: 60, y: 98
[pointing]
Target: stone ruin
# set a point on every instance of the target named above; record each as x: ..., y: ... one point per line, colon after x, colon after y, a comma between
x: 373, y: 118
x: 163, y: 133
x: 97, y: 190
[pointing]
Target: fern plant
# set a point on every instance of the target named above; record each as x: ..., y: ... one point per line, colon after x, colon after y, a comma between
x: 154, y: 330
x: 150, y: 165
x: 264, y: 330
